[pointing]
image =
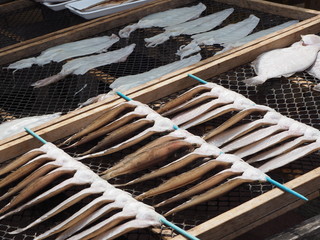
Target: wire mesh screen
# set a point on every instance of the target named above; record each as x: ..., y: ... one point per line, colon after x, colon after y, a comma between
x: 33, y: 21
x: 292, y: 97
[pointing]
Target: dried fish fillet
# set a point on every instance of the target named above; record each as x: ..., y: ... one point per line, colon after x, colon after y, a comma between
x: 81, y: 65
x: 256, y: 35
x: 67, y: 51
x: 228, y: 34
x: 125, y: 83
x: 164, y: 19
x: 199, y: 25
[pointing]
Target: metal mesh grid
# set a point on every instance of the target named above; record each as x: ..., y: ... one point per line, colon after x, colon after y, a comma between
x: 33, y: 21
x: 290, y: 97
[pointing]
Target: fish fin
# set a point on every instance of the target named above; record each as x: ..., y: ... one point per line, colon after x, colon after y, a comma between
x: 257, y: 80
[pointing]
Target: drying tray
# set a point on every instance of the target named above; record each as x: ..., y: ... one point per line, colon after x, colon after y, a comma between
x: 295, y: 94
x: 23, y: 20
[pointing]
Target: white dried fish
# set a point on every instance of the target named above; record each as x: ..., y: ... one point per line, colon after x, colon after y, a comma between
x: 256, y: 35
x: 68, y: 50
x: 283, y: 62
x: 199, y: 25
x: 164, y: 19
x: 81, y: 65
x: 13, y: 127
x: 228, y: 34
x: 125, y: 83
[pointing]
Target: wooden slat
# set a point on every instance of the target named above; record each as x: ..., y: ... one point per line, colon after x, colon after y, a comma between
x: 15, y: 5
x: 274, y: 8
x: 257, y: 211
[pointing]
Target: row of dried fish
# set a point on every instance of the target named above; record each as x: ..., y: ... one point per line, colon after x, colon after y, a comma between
x: 37, y: 169
x: 257, y: 140
x: 121, y: 128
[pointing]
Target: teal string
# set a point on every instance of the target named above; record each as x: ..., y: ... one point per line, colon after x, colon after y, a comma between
x: 281, y: 186
x: 123, y: 96
x: 198, y: 79
x: 179, y: 230
x: 35, y: 135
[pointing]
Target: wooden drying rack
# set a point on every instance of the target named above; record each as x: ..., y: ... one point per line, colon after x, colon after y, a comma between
x: 235, y: 221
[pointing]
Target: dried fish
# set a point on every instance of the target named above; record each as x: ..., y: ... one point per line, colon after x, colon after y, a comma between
x: 253, y: 137
x: 164, y: 19
x: 81, y: 65
x: 290, y: 156
x: 249, y: 174
x: 104, y: 119
x: 219, y: 139
x: 310, y: 135
x: 295, y: 129
x: 158, y: 124
x: 256, y: 35
x: 111, y: 198
x: 125, y: 83
x: 275, y: 63
x: 227, y: 34
x: 199, y: 25
x: 137, y: 162
x: 204, y: 151
x: 225, y: 160
x: 67, y: 51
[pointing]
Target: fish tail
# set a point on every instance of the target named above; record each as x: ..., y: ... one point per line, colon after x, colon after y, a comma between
x: 125, y: 32
x: 254, y: 81
x: 48, y: 80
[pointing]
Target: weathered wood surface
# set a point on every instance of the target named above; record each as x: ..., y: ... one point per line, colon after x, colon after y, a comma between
x: 274, y: 8
x: 15, y: 5
x: 308, y: 229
